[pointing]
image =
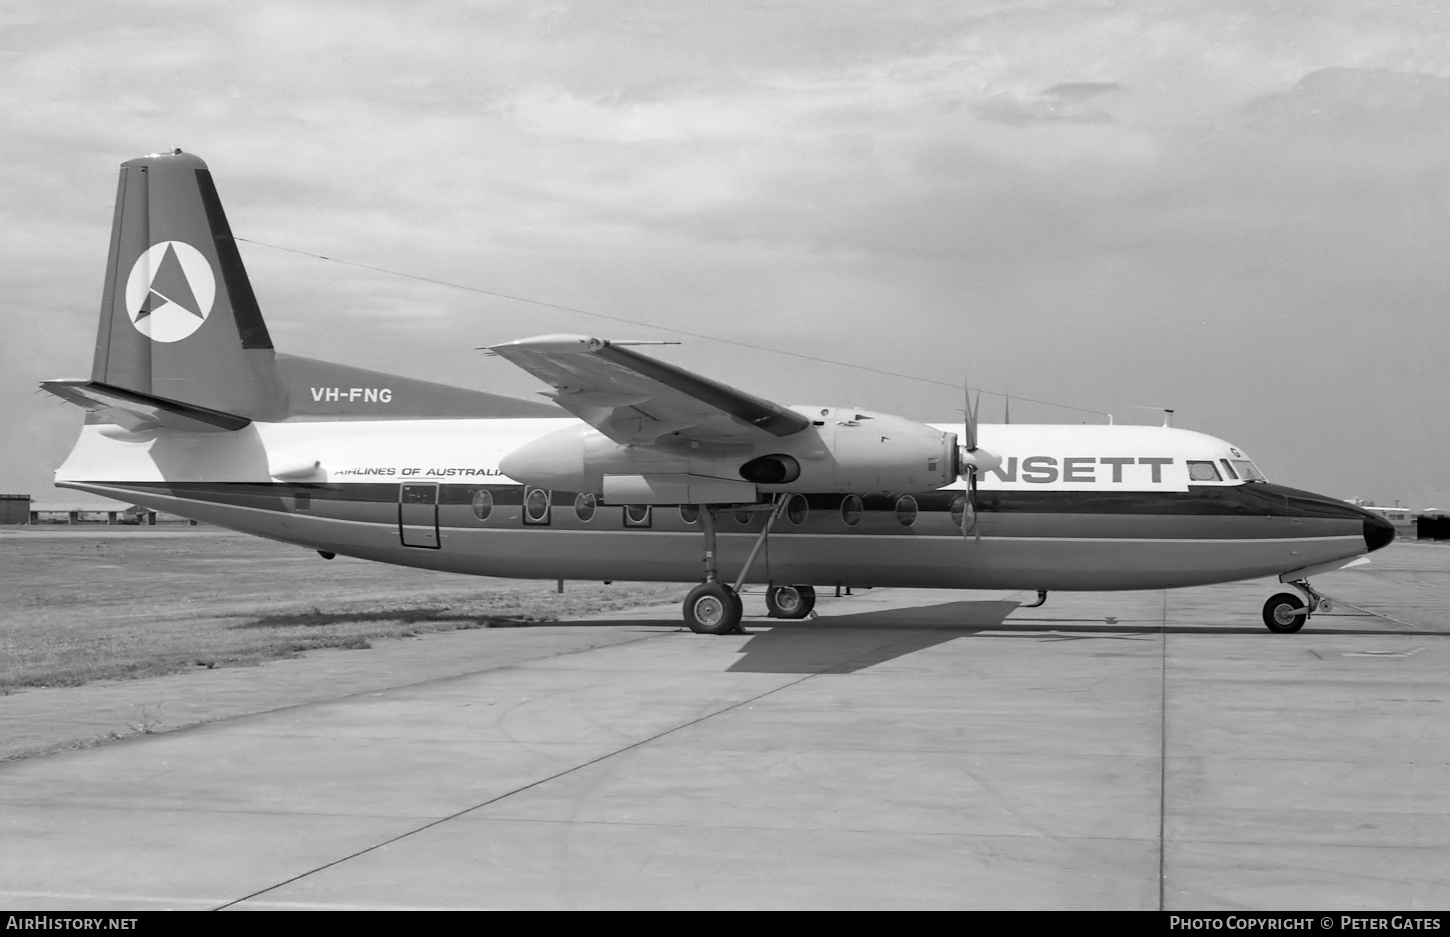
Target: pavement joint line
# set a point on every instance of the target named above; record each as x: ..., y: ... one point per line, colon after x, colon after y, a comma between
x: 555, y: 776
x: 119, y: 900
x: 1163, y: 761
x: 864, y: 830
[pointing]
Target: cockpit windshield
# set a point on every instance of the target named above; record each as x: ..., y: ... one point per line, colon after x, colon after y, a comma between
x: 1203, y: 472
x: 1231, y: 471
x: 1248, y: 471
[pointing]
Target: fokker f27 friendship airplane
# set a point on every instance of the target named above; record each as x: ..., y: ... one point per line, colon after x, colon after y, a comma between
x: 645, y: 470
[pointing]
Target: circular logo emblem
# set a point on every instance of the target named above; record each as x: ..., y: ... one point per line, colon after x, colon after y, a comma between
x: 170, y: 291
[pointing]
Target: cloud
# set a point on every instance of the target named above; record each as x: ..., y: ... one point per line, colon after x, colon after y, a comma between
x: 1111, y: 204
x: 1071, y: 102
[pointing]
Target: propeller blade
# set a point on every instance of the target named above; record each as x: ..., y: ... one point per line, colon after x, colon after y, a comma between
x: 976, y: 518
x: 974, y: 460
x: 969, y: 507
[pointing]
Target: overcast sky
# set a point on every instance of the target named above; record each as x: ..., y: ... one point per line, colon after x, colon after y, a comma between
x: 1237, y: 209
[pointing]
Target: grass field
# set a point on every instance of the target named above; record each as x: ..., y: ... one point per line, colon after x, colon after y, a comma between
x: 94, y: 603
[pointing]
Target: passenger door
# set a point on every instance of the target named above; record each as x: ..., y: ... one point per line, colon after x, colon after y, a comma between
x: 418, y: 514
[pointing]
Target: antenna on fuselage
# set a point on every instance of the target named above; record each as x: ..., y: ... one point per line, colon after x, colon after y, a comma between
x: 1167, y: 414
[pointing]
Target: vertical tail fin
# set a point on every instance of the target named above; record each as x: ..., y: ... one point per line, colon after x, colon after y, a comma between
x: 179, y: 321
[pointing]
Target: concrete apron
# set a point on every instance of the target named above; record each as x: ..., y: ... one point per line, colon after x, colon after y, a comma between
x: 907, y: 750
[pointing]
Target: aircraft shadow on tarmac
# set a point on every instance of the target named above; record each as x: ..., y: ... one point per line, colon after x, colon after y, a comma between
x: 847, y: 643
x: 422, y: 613
x: 862, y: 640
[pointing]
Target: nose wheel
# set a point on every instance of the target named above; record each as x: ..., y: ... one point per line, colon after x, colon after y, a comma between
x: 1286, y: 612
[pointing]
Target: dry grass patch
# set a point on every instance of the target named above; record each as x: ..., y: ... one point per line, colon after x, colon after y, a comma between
x: 128, y: 605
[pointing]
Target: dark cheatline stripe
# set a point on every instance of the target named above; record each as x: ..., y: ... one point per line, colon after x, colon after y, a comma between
x: 1146, y: 516
x: 1253, y: 500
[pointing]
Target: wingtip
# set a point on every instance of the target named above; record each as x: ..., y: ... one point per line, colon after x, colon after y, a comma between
x: 560, y: 343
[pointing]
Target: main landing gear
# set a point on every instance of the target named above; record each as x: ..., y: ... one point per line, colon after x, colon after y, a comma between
x: 1286, y: 612
x: 790, y: 602
x: 713, y: 607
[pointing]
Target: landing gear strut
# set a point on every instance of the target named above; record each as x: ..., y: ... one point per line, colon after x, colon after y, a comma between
x: 1286, y: 612
x: 713, y: 607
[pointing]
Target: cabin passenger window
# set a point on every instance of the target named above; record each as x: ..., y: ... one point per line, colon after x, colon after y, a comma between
x: 636, y: 515
x: 1203, y: 472
x: 742, y: 516
x: 584, y: 505
x: 536, y: 506
x: 906, y: 510
x: 851, y: 510
x: 690, y: 513
x: 796, y: 510
x: 482, y: 504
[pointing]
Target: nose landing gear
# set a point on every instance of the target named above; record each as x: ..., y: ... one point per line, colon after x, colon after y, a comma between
x: 1286, y: 612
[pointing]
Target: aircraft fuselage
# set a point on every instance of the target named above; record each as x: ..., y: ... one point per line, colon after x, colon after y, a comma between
x: 1071, y: 508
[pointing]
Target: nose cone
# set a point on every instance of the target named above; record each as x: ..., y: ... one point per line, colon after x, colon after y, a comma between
x: 1378, y: 532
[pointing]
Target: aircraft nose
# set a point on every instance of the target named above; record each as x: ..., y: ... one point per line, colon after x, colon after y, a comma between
x: 1378, y: 531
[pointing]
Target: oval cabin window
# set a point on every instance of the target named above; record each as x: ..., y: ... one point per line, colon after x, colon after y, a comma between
x: 536, y: 506
x: 906, y: 510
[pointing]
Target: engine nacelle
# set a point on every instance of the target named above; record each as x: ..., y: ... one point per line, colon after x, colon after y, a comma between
x: 842, y: 451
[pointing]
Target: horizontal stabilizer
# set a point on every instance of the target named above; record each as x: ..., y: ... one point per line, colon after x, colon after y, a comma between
x: 136, y: 411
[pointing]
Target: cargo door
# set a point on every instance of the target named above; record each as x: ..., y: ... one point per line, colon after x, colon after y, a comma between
x: 418, y: 514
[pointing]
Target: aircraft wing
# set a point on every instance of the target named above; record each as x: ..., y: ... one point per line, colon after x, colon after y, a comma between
x: 635, y: 399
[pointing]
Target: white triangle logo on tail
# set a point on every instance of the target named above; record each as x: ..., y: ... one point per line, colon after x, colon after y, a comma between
x: 170, y: 291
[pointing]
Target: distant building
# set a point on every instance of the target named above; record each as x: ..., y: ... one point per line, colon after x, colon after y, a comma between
x: 14, y: 509
x: 1403, y: 518
x: 1395, y: 515
x: 107, y: 512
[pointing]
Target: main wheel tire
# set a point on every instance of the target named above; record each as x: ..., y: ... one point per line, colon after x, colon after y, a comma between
x: 712, y: 608
x: 1285, y: 613
x: 790, y: 602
